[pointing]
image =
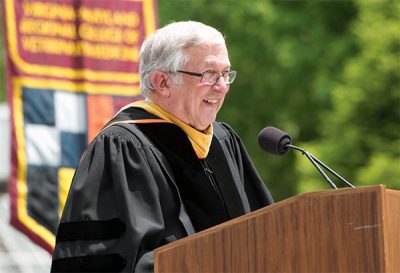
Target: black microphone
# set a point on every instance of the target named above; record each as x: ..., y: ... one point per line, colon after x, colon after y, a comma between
x: 276, y: 141
x: 273, y: 140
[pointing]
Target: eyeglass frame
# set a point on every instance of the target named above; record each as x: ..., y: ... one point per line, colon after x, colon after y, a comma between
x: 201, y: 75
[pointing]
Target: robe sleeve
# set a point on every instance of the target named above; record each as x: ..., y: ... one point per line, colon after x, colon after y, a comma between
x: 117, y: 209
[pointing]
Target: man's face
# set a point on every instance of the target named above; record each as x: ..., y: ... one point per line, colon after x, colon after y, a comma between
x: 191, y: 101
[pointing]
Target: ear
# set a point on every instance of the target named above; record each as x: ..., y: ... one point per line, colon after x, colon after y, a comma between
x: 160, y: 82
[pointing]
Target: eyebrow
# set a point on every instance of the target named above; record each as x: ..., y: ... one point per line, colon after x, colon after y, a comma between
x: 211, y: 63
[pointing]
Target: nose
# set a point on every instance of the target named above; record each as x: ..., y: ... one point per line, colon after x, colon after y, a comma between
x: 221, y: 85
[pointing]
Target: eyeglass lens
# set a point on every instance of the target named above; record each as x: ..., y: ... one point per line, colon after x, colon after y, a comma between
x: 213, y: 77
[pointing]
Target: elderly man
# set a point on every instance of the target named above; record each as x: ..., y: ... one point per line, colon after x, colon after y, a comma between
x: 162, y: 168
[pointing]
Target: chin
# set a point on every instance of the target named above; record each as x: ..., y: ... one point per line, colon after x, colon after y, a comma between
x: 202, y: 127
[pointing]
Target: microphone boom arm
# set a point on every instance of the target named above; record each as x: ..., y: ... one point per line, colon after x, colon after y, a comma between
x: 317, y: 163
x: 332, y: 172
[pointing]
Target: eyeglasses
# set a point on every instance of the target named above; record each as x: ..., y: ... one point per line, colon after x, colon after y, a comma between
x: 212, y: 77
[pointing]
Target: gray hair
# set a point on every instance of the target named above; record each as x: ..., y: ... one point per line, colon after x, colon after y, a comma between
x: 164, y: 49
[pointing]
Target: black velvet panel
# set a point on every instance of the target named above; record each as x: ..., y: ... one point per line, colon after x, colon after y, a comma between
x: 90, y: 230
x: 91, y: 263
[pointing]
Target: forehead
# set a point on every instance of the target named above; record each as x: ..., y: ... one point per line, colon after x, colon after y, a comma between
x: 208, y: 56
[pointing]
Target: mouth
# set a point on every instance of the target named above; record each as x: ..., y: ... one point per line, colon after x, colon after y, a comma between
x: 211, y: 101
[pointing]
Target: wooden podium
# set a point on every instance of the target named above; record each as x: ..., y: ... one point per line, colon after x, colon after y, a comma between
x: 344, y: 230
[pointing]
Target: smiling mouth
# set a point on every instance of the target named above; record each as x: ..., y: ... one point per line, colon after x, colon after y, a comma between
x: 211, y: 101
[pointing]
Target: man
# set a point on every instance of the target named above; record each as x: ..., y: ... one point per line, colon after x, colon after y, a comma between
x: 162, y: 168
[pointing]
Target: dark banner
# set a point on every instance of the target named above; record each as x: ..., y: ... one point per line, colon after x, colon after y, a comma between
x: 70, y: 66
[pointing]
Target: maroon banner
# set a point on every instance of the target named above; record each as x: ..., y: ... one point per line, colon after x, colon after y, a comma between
x: 70, y: 66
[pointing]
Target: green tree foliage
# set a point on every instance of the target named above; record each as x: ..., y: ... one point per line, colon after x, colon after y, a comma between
x: 361, y: 135
x: 327, y: 72
x: 290, y: 55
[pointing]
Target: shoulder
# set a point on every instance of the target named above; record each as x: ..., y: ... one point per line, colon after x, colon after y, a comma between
x: 123, y: 132
x: 122, y: 127
x: 223, y: 130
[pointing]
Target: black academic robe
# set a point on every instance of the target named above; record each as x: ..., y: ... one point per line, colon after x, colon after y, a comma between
x: 139, y: 185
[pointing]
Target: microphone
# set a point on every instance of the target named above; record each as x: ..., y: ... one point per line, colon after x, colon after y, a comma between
x: 278, y: 142
x: 274, y: 141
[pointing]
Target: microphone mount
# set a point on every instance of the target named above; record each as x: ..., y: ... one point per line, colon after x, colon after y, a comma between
x: 318, y: 164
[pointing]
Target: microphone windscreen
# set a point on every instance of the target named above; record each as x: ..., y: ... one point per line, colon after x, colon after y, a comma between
x: 274, y: 140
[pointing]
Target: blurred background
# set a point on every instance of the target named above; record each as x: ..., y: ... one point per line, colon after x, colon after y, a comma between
x: 326, y: 72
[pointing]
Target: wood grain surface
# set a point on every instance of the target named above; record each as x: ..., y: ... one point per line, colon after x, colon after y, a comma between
x: 344, y: 230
